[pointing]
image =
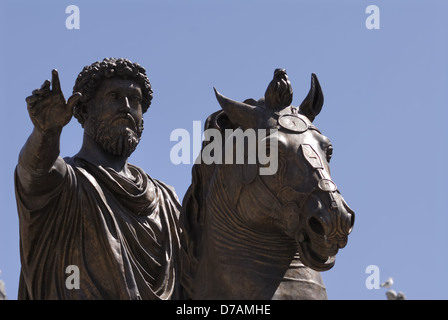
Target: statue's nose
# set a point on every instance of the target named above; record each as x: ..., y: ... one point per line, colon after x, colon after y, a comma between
x: 346, y: 218
x: 125, y: 104
x: 334, y: 222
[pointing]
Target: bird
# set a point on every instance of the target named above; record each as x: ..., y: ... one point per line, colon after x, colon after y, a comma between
x: 400, y: 296
x: 388, y: 283
x: 391, y: 295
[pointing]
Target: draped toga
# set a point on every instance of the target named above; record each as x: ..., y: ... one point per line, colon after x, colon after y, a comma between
x: 122, y: 234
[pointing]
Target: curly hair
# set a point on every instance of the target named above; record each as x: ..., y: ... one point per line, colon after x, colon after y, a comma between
x: 90, y: 78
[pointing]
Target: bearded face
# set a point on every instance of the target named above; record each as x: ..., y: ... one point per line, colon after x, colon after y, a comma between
x: 115, y: 119
x: 118, y: 139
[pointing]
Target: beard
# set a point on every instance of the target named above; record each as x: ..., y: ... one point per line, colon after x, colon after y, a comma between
x: 118, y: 140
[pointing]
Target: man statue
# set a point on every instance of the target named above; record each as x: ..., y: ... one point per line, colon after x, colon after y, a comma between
x: 94, y: 226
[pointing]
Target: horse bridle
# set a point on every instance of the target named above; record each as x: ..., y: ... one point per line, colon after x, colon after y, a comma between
x: 292, y: 120
x: 287, y: 198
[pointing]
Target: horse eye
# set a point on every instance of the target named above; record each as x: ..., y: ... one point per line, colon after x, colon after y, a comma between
x: 329, y: 152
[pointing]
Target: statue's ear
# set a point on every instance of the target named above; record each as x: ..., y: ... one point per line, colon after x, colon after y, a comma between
x: 312, y: 104
x: 80, y: 112
x: 240, y: 114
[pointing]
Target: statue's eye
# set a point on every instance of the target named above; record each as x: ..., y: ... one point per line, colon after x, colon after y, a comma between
x: 112, y: 95
x: 135, y: 97
x: 329, y: 152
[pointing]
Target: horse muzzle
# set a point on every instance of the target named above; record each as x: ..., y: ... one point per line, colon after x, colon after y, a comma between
x: 323, y: 229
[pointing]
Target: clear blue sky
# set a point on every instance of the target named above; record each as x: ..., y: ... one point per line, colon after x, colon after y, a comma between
x: 386, y: 102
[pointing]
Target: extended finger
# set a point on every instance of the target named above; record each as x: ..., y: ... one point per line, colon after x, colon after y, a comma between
x: 55, y: 83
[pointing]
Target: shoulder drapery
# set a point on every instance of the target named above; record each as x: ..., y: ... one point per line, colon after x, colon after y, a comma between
x: 122, y: 234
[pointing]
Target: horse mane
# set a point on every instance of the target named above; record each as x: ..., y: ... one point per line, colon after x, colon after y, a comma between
x: 192, y: 217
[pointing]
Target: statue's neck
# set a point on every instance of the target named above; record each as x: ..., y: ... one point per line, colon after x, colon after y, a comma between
x: 247, y: 264
x: 92, y: 151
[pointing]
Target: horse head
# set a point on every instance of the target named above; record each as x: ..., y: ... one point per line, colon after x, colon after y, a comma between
x: 299, y: 198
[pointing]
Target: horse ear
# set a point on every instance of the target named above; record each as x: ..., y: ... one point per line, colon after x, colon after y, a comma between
x: 240, y: 114
x: 312, y: 104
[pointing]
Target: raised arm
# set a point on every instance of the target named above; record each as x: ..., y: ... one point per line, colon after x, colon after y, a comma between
x: 39, y: 163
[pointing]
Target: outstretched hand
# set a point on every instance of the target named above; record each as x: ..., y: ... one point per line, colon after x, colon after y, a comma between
x: 47, y: 107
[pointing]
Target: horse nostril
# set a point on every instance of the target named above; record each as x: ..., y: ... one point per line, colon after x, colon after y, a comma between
x: 316, y: 226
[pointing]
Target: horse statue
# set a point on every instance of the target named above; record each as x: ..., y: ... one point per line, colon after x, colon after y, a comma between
x: 248, y: 235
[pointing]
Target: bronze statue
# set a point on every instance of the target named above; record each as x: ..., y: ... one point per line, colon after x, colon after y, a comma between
x: 94, y: 211
x: 242, y: 234
x: 252, y: 236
